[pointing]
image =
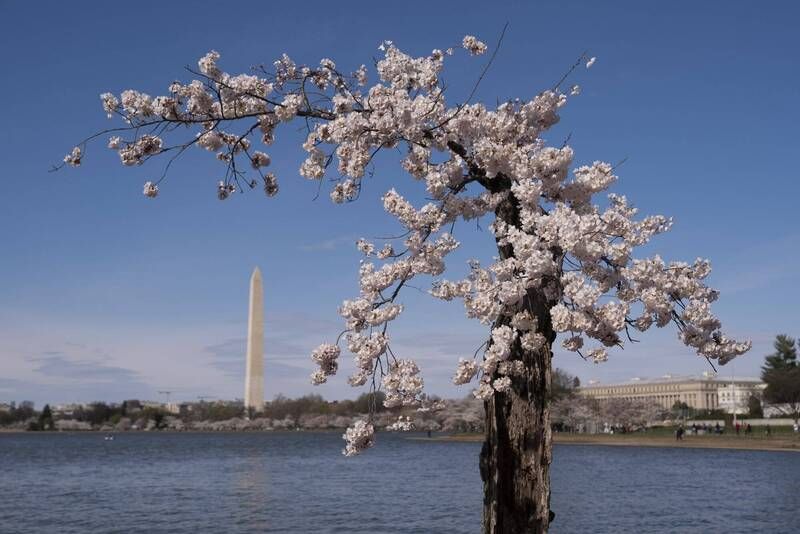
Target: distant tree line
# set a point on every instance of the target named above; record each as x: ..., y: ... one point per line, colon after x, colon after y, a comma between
x: 781, y: 374
x: 309, y: 411
x: 17, y: 413
x: 282, y: 407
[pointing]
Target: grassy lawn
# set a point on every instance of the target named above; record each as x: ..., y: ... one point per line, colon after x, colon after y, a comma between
x: 758, y: 432
x: 782, y: 439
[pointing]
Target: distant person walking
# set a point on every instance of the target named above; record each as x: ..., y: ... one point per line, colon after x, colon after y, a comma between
x: 768, y: 430
x: 748, y: 430
x: 679, y: 433
x: 796, y: 427
x: 738, y: 427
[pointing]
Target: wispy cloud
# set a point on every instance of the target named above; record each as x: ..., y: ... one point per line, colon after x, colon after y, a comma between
x: 58, y: 365
x: 66, y: 379
x: 329, y: 244
x: 229, y: 357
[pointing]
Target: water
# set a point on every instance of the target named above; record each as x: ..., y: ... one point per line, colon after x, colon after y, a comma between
x: 298, y: 482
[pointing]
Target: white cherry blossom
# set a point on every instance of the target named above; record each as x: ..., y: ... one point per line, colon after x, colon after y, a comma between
x: 358, y: 438
x: 569, y: 252
x: 150, y: 190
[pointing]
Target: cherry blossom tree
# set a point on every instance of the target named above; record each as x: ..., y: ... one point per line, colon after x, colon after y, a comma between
x: 630, y: 413
x: 565, y: 260
x: 574, y: 412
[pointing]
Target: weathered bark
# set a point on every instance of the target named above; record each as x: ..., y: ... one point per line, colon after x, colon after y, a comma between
x: 516, y: 454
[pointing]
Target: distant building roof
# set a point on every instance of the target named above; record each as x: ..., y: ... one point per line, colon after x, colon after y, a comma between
x: 673, y: 379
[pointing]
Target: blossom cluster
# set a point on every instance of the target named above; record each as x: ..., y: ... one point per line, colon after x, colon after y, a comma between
x: 150, y: 190
x: 326, y: 356
x: 73, y: 159
x: 359, y: 437
x: 403, y: 384
x: 403, y: 424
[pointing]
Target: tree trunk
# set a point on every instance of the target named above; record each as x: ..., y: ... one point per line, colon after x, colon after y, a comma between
x: 516, y: 454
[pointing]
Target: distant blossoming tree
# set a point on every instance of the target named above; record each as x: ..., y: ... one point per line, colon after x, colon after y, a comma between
x: 565, y: 264
x: 573, y: 412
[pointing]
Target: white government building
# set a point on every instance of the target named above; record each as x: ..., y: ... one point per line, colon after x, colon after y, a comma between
x: 705, y: 392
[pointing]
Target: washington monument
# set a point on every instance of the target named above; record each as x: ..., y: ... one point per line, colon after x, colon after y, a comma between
x: 254, y: 379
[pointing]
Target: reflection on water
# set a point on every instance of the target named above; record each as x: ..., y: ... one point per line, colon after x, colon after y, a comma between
x: 250, y: 487
x: 297, y: 482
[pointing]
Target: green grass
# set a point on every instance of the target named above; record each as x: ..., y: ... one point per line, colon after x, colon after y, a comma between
x: 758, y: 432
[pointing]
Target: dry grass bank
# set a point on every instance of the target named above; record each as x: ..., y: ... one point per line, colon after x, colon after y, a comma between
x: 781, y: 443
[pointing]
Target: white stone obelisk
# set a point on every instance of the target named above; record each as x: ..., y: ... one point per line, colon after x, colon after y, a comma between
x: 254, y: 379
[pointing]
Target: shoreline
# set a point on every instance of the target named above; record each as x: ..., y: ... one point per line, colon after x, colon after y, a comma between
x: 773, y: 444
x: 776, y: 444
x: 175, y: 431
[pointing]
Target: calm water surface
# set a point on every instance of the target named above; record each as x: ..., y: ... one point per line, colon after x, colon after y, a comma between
x: 299, y: 482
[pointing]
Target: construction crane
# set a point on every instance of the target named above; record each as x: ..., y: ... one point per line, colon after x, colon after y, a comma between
x: 204, y: 397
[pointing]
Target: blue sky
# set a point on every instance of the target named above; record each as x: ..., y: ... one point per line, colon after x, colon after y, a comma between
x: 106, y: 295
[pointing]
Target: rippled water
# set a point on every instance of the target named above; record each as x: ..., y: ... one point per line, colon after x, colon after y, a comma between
x: 298, y: 482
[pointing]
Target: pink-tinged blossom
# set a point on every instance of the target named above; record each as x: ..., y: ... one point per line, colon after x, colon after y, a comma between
x: 318, y: 377
x: 465, y: 371
x: 260, y: 159
x: 511, y: 368
x: 598, y: 355
x: 533, y: 341
x: 344, y: 191
x: 524, y: 321
x: 365, y: 247
x: 137, y: 152
x: 403, y: 384
x: 475, y: 47
x: 211, y: 140
x: 110, y: 104
x: 358, y: 438
x: 503, y: 338
x: 73, y: 159
x: 386, y: 251
x: 270, y: 185
x: 208, y: 64
x: 561, y: 317
x: 484, y: 391
x: 287, y: 110
x: 137, y: 104
x: 403, y: 424
x: 502, y: 384
x: 327, y: 357
x: 150, y: 190
x: 428, y: 404
x: 361, y: 75
x: 224, y: 190
x: 590, y: 62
